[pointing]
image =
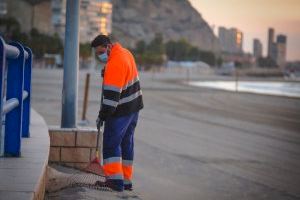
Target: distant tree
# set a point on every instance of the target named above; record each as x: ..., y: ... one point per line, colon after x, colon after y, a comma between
x: 41, y: 44
x: 38, y: 42
x: 151, y: 54
x: 85, y: 50
x: 140, y: 47
x: 181, y: 50
x: 219, y: 61
x: 35, y: 2
x: 208, y: 57
x: 193, y: 54
x: 178, y: 50
x: 238, y: 64
x: 9, y: 28
x: 156, y: 46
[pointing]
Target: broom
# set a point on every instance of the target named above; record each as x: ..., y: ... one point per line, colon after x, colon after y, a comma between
x: 94, y: 166
x: 94, y: 171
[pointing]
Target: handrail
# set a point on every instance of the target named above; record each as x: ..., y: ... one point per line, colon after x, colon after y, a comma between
x: 10, y: 105
x: 15, y: 92
x: 13, y: 52
x: 13, y: 103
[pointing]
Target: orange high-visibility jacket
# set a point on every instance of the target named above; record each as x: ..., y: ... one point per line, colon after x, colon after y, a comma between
x: 122, y: 93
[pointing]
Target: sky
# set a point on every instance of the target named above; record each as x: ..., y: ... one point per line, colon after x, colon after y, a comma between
x: 253, y: 18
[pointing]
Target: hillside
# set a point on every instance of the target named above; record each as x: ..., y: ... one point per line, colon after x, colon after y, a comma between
x: 135, y: 20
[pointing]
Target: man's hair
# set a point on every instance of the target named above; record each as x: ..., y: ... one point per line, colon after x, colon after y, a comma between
x: 101, y: 40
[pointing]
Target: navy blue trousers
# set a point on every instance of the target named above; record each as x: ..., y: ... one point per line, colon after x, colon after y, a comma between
x: 118, y: 148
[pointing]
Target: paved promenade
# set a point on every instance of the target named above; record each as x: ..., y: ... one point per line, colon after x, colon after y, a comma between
x: 196, y: 143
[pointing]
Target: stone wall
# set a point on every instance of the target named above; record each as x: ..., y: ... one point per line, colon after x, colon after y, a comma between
x: 72, y: 147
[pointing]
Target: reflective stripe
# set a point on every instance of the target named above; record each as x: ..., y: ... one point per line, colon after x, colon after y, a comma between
x: 111, y: 169
x: 130, y: 98
x: 112, y: 88
x: 127, y: 171
x: 111, y: 160
x: 110, y: 102
x: 131, y: 83
x: 127, y: 162
x: 116, y: 177
x: 127, y: 182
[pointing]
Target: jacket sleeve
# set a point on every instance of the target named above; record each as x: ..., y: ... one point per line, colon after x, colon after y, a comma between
x: 113, y: 83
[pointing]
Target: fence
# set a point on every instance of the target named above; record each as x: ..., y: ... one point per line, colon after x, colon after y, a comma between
x: 15, y: 91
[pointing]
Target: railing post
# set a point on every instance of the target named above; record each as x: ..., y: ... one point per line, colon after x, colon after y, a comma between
x: 2, y: 72
x: 27, y: 88
x: 13, y: 120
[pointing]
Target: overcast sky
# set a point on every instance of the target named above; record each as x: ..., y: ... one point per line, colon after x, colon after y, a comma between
x: 254, y: 17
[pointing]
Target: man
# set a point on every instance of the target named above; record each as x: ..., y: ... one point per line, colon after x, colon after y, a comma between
x: 121, y: 102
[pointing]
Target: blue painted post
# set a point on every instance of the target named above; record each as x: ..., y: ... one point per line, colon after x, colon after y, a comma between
x: 15, y: 83
x: 2, y: 71
x: 71, y: 54
x: 27, y: 88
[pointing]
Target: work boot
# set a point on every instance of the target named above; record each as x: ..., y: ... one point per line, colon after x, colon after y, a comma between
x: 128, y: 187
x: 116, y: 185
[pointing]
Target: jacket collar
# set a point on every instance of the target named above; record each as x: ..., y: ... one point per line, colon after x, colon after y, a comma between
x: 116, y: 48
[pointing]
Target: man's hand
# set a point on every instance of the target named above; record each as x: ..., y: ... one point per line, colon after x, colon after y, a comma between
x: 99, y: 123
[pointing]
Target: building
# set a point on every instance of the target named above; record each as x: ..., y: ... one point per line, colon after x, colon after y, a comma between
x: 95, y: 18
x: 272, y: 51
x: 281, y: 50
x: 231, y: 40
x: 58, y: 8
x: 277, y: 50
x: 257, y: 48
x: 29, y: 15
x: 271, y: 47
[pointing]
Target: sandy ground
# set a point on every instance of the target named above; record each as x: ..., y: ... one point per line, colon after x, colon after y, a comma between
x: 196, y: 143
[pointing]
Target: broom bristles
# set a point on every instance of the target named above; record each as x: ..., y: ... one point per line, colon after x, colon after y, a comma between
x: 95, y: 167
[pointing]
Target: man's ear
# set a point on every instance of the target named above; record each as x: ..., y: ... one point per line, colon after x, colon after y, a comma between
x: 109, y: 46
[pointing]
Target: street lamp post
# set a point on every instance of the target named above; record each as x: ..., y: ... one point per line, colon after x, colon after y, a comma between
x: 70, y: 78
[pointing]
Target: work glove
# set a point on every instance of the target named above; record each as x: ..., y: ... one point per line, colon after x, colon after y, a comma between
x: 99, y: 123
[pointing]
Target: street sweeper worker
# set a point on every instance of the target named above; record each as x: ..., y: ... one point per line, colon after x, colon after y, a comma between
x: 121, y: 103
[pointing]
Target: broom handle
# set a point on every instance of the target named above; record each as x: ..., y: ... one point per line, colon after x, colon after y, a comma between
x: 99, y: 130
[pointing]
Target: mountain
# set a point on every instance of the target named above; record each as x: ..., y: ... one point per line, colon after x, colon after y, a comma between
x: 135, y: 20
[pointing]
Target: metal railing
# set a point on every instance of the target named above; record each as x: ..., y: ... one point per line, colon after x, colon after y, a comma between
x: 15, y: 92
